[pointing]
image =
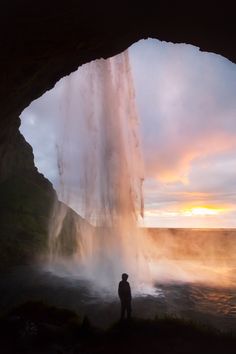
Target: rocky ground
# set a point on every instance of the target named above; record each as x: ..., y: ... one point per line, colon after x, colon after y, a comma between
x: 37, y: 328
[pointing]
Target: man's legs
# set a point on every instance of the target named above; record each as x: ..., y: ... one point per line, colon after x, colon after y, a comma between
x: 122, y: 310
x: 128, y: 309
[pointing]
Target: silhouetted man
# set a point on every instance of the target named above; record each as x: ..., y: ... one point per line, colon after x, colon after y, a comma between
x: 124, y: 293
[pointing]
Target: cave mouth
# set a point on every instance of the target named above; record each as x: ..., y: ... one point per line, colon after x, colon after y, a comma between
x: 185, y: 101
x: 186, y: 109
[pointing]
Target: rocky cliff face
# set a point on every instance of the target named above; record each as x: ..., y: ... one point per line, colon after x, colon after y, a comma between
x: 42, y: 41
x: 25, y: 203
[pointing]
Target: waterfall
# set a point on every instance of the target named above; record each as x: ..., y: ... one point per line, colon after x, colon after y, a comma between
x: 101, y: 169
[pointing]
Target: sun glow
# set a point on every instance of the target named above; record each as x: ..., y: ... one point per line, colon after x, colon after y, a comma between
x: 202, y: 211
x: 188, y: 211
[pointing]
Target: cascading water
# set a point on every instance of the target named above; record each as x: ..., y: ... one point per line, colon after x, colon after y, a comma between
x: 101, y: 172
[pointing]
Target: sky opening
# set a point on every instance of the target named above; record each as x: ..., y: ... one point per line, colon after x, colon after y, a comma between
x: 186, y: 100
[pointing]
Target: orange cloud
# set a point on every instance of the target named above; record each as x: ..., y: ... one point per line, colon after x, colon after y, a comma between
x: 182, y: 154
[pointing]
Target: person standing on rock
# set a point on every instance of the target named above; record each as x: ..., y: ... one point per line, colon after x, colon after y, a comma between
x: 124, y: 293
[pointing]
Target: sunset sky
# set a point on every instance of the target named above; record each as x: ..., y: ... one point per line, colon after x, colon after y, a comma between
x: 186, y: 101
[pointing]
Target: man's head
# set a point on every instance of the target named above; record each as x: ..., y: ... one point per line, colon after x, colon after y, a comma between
x: 124, y: 276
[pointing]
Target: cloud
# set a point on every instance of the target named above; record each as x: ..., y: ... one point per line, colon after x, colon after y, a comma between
x: 187, y: 106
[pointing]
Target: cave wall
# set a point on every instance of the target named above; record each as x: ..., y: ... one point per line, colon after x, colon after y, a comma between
x: 42, y: 41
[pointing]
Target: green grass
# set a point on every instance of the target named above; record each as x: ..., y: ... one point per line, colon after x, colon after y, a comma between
x: 25, y: 208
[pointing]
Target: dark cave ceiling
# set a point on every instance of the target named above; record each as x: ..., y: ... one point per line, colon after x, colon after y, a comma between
x: 42, y: 41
